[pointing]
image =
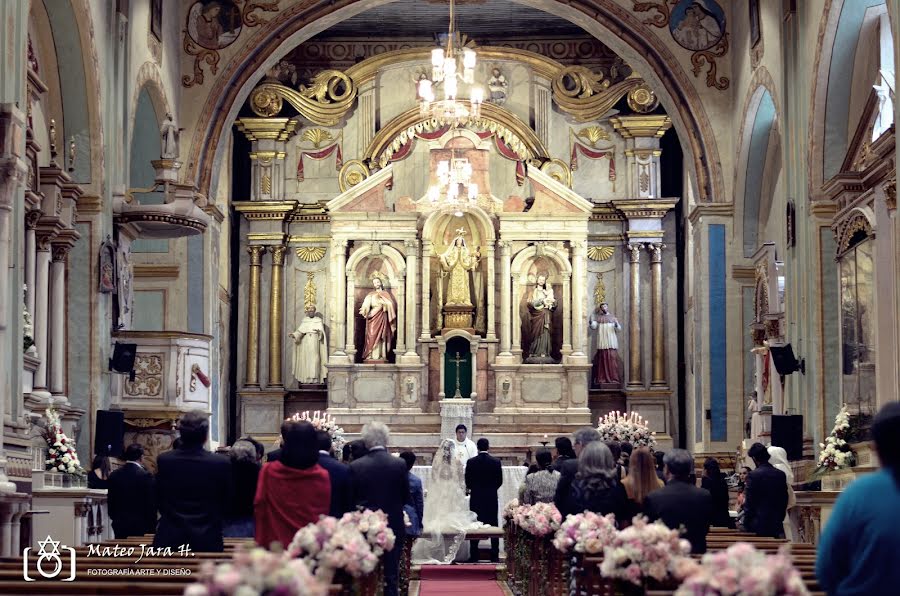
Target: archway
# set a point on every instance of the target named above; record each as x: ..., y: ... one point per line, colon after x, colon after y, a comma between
x: 762, y: 148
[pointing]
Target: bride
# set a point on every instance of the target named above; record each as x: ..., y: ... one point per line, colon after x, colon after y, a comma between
x: 447, y: 515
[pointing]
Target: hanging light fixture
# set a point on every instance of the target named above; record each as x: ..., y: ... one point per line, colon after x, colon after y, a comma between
x: 451, y: 65
x: 455, y: 190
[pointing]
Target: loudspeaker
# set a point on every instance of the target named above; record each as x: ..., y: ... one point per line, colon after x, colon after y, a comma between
x: 109, y: 437
x: 787, y: 432
x: 785, y: 362
x: 122, y: 360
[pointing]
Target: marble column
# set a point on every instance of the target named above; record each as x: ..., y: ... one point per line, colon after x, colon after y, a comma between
x: 427, y: 247
x: 252, y: 375
x: 58, y: 320
x: 412, y: 248
x: 30, y: 258
x: 567, y: 316
x: 635, y: 372
x: 40, y: 315
x: 276, y: 311
x: 401, y: 318
x: 505, y: 298
x: 658, y: 375
x: 579, y: 291
x: 338, y: 248
x: 349, y: 347
x: 491, y: 332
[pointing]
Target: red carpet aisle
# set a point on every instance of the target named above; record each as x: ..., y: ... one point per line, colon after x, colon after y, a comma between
x: 447, y: 580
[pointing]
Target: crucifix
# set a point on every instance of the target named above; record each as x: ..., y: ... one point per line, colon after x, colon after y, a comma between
x: 457, y: 361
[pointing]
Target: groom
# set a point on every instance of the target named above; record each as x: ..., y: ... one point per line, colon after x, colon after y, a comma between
x: 484, y: 476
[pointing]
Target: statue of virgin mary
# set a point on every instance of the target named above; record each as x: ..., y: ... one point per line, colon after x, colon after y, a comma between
x: 459, y: 261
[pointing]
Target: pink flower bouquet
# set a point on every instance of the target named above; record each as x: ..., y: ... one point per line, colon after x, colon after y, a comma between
x: 741, y: 569
x: 258, y: 572
x: 374, y: 526
x: 539, y: 519
x: 644, y: 550
x: 585, y: 533
x: 626, y: 428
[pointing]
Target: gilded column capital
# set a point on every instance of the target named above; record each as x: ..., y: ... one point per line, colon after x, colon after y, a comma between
x: 635, y: 250
x: 655, y: 249
x: 256, y: 253
x: 338, y: 244
x: 278, y: 254
x: 579, y: 246
x: 504, y: 246
x: 411, y: 245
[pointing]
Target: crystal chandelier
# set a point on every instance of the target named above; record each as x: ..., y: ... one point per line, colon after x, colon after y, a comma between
x: 455, y: 189
x: 449, y: 67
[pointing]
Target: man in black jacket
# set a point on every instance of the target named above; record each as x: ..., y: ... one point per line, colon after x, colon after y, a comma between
x: 381, y: 481
x: 339, y: 475
x: 193, y: 488
x: 568, y: 468
x: 131, y: 503
x: 765, y: 496
x: 484, y: 476
x: 680, y: 503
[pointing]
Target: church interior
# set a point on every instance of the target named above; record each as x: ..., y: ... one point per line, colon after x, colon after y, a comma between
x: 516, y: 215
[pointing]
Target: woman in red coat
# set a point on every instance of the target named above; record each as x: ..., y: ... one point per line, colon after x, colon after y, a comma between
x: 292, y: 491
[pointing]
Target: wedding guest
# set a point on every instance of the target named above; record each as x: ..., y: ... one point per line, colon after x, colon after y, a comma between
x: 595, y: 487
x: 627, y: 448
x: 193, y: 489
x: 765, y: 496
x: 640, y: 482
x: 564, y: 452
x: 99, y: 475
x: 131, y: 499
x: 714, y: 482
x: 245, y: 467
x: 294, y: 490
x: 660, y: 466
x: 484, y: 477
x: 381, y: 481
x: 338, y: 475
x: 858, y: 547
x: 345, y: 453
x: 779, y: 460
x: 357, y: 449
x: 416, y: 509
x: 569, y: 468
x: 260, y: 448
x: 540, y: 487
x: 616, y: 449
x: 680, y: 502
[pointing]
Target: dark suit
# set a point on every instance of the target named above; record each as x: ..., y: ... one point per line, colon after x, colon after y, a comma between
x: 131, y: 501
x: 681, y: 503
x: 765, y: 501
x: 484, y: 476
x: 381, y: 481
x: 567, y: 470
x: 274, y: 455
x: 193, y: 488
x: 339, y: 474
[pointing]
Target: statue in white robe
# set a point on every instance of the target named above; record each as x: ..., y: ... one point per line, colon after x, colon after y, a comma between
x: 310, y: 349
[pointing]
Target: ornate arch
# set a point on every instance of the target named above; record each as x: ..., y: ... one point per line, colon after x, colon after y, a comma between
x: 389, y: 253
x: 429, y: 229
x: 526, y: 255
x: 148, y: 76
x: 859, y: 220
x: 620, y: 29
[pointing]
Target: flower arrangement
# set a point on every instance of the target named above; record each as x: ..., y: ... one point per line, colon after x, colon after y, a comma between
x: 61, y: 454
x: 510, y: 509
x: 324, y: 421
x: 257, y: 571
x: 741, y: 569
x: 626, y: 428
x: 539, y: 519
x: 585, y: 533
x: 836, y: 452
x: 332, y: 545
x: 645, y: 551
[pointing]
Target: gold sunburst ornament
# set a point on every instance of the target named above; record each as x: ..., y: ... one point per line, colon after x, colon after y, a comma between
x: 592, y: 135
x: 310, y: 254
x: 317, y: 136
x: 600, y: 253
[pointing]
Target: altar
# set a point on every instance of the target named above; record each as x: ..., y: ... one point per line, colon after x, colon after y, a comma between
x: 513, y: 477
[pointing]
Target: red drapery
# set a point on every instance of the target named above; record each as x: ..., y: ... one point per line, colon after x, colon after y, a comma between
x: 317, y: 155
x: 592, y: 154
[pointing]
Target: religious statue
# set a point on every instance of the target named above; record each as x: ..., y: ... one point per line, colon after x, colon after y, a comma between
x: 381, y: 322
x: 170, y: 133
x: 458, y: 261
x: 310, y: 349
x: 497, y: 85
x: 541, y: 305
x: 606, y: 360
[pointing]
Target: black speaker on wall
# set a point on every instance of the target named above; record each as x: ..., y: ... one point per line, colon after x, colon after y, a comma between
x: 785, y: 361
x: 787, y: 432
x: 110, y: 434
x: 122, y: 360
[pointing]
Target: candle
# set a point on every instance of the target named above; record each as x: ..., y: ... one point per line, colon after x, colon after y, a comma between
x: 545, y: 435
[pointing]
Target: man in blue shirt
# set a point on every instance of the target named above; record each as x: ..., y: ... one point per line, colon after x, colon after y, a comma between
x: 858, y: 550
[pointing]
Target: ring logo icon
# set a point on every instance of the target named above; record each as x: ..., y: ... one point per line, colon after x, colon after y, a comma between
x: 49, y: 564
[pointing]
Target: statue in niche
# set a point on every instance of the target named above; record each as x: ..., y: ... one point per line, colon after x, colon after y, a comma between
x: 381, y: 321
x: 606, y: 360
x: 541, y: 305
x: 169, y: 132
x: 498, y: 86
x: 310, y: 348
x: 458, y: 261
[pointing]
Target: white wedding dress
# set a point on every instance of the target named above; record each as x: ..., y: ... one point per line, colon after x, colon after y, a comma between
x: 447, y: 515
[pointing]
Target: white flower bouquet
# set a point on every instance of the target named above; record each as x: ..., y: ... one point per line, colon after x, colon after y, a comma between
x: 585, y: 533
x: 626, y: 428
x: 324, y: 421
x: 539, y: 519
x: 510, y: 509
x: 835, y: 452
x: 743, y: 570
x: 645, y: 551
x: 258, y: 571
x: 61, y: 454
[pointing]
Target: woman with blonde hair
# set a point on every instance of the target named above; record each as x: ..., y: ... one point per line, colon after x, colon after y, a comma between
x: 641, y: 480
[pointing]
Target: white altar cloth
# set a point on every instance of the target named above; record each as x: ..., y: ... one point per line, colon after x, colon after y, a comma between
x: 513, y: 477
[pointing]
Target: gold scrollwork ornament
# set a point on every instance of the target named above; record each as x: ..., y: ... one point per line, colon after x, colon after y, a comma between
x: 353, y: 172
x: 559, y: 171
x: 266, y: 103
x: 642, y: 99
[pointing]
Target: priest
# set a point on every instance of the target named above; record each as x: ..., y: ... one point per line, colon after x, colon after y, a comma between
x: 310, y: 349
x: 465, y: 448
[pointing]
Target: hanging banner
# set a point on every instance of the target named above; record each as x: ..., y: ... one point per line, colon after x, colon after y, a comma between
x: 593, y: 154
x: 320, y: 155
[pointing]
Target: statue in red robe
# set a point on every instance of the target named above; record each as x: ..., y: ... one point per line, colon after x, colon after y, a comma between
x: 381, y: 322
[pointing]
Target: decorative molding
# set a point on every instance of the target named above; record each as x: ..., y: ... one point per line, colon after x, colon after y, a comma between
x: 325, y: 102
x: 644, y: 208
x: 264, y: 210
x: 145, y: 271
x: 846, y: 230
x: 744, y: 273
x: 147, y: 376
x: 711, y: 210
x: 823, y: 209
x: 90, y: 205
x: 214, y: 212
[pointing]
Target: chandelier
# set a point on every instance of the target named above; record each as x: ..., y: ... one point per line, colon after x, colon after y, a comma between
x: 451, y: 66
x: 455, y: 189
